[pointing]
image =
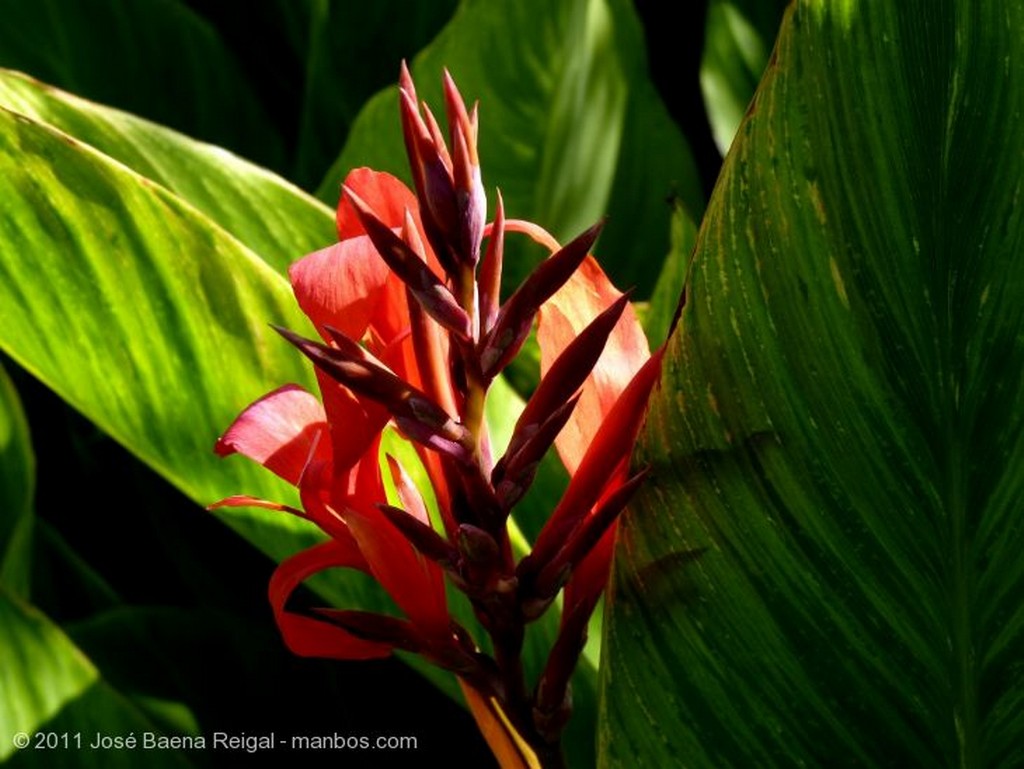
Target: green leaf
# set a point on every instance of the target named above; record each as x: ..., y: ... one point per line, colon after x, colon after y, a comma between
x: 571, y: 128
x: 354, y: 50
x: 826, y: 562
x: 154, y: 58
x: 136, y: 309
x: 17, y: 482
x: 738, y: 39
x: 267, y: 214
x: 50, y: 687
x: 661, y: 311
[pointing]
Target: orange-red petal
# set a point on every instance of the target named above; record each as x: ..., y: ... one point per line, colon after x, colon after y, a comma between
x: 562, y: 318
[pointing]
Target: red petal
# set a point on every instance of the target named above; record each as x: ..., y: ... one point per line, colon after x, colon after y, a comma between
x: 309, y: 637
x: 384, y: 194
x: 341, y: 286
x: 413, y: 581
x: 281, y: 431
x: 587, y: 293
x: 355, y: 421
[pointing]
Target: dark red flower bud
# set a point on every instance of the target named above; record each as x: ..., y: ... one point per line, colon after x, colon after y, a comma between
x: 567, y: 373
x: 585, y: 536
x: 414, y: 412
x: 490, y: 270
x: 516, y: 316
x: 422, y: 537
x: 476, y: 545
x: 515, y: 471
x: 412, y: 269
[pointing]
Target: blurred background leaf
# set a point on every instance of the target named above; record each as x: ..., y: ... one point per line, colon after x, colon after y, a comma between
x: 17, y: 481
x: 737, y: 43
x: 156, y: 58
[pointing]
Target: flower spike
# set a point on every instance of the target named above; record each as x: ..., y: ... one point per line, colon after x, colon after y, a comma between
x: 412, y: 333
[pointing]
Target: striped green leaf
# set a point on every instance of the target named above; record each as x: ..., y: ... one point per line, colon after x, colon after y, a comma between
x: 827, y: 561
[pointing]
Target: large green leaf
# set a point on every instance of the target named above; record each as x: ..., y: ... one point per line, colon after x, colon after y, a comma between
x: 271, y: 217
x: 571, y: 128
x: 827, y: 561
x: 155, y: 58
x: 136, y: 309
x: 17, y: 479
x: 55, y: 698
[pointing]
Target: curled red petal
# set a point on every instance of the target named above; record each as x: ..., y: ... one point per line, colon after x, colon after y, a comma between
x: 282, y: 431
x: 309, y: 637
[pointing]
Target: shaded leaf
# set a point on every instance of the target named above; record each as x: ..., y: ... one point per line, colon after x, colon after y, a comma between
x: 155, y: 58
x: 353, y: 51
x: 50, y: 686
x: 17, y: 481
x: 840, y: 427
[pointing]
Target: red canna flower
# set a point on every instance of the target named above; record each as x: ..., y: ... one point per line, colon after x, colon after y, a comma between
x: 348, y: 292
x: 412, y: 333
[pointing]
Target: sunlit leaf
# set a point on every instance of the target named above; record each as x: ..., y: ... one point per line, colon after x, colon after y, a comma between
x: 268, y: 215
